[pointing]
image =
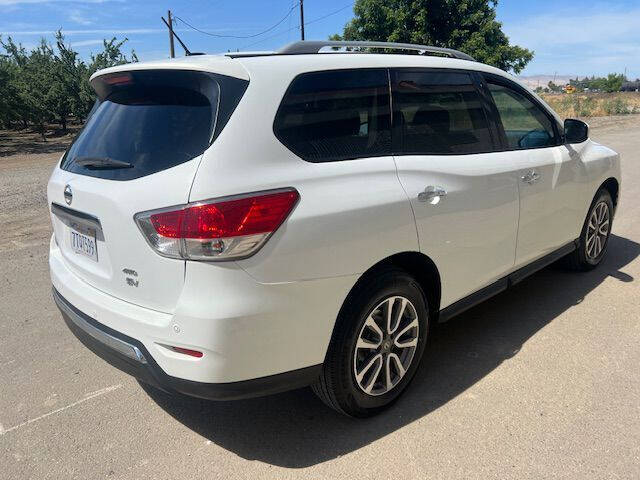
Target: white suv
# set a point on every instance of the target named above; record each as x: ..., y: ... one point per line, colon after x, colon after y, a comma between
x: 239, y: 225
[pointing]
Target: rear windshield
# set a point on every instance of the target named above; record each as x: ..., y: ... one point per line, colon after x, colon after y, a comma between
x: 145, y: 122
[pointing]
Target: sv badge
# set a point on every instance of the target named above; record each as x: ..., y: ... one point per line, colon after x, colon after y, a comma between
x: 131, y: 277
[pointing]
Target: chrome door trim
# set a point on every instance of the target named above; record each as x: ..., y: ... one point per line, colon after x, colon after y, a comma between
x: 78, y: 220
x: 530, y: 177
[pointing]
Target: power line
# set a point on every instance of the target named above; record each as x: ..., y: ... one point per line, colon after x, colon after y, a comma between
x: 289, y: 20
x: 329, y: 14
x: 241, y: 36
x: 297, y: 28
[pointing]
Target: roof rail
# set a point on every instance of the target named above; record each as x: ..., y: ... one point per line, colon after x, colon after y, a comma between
x: 314, y: 46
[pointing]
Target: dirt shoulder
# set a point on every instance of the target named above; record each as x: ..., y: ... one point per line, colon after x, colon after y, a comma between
x: 600, y: 124
x: 17, y: 142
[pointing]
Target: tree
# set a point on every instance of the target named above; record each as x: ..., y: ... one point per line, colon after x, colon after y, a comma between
x: 48, y: 83
x: 69, y: 73
x: 16, y: 107
x: 466, y: 25
x: 110, y: 56
x: 33, y: 82
x: 613, y: 82
x: 553, y: 88
x: 9, y: 99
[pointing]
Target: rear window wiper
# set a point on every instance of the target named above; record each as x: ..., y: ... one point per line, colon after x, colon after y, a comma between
x: 101, y: 163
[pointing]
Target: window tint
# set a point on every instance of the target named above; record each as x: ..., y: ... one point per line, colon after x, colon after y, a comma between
x: 439, y: 113
x: 150, y: 120
x: 525, y: 125
x: 336, y: 115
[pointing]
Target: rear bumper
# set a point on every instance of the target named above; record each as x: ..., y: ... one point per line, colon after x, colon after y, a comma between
x: 131, y: 356
x: 245, y: 329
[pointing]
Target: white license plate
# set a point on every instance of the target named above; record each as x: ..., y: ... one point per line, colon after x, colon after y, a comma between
x: 84, y: 244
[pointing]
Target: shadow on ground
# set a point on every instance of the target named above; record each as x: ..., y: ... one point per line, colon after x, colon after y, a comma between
x: 295, y: 430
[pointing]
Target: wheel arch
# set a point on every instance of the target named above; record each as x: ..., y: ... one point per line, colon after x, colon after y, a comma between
x: 419, y: 266
x: 612, y: 185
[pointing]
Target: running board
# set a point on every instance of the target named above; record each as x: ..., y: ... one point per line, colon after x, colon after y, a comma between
x: 504, y: 283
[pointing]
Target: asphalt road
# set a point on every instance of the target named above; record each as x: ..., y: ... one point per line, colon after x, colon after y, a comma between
x: 541, y: 382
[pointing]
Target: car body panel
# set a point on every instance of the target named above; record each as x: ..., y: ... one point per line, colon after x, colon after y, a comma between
x: 349, y: 212
x: 206, y: 63
x: 550, y: 207
x: 553, y: 210
x: 157, y: 281
x: 244, y: 329
x: 470, y: 233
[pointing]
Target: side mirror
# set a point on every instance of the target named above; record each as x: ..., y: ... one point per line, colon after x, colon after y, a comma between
x: 575, y: 131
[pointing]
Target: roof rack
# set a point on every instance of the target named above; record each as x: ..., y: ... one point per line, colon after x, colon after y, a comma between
x: 314, y: 46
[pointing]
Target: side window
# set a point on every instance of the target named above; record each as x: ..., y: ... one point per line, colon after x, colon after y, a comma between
x: 439, y: 113
x: 336, y: 115
x: 525, y: 125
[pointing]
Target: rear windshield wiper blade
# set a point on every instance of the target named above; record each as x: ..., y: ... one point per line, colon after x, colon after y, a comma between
x: 101, y: 163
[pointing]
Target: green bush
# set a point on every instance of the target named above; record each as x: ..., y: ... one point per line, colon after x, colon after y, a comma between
x: 617, y: 106
x: 587, y: 107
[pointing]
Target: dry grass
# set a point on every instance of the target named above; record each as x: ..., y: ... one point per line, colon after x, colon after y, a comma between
x: 593, y: 104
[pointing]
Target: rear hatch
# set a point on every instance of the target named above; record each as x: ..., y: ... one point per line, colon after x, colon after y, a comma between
x: 138, y: 151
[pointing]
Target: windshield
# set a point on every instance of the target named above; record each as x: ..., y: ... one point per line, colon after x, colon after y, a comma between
x: 147, y: 121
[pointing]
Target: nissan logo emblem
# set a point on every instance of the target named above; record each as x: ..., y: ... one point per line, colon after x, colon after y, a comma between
x: 68, y: 195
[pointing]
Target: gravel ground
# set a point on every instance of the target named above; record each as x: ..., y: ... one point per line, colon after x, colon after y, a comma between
x: 540, y: 382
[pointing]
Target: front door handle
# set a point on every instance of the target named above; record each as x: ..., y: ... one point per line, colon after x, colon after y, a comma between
x: 531, y: 177
x: 432, y: 194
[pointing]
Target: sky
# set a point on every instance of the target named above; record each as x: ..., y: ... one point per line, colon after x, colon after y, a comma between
x: 569, y: 38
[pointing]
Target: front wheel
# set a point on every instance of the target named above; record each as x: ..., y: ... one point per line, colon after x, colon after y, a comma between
x: 595, y: 234
x: 376, y: 346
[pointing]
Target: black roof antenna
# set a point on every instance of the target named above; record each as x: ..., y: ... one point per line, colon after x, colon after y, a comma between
x: 187, y: 52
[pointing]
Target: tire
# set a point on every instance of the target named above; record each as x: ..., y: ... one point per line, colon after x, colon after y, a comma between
x: 590, y: 251
x: 346, y: 384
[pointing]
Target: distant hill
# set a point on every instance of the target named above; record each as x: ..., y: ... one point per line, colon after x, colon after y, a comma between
x: 532, y: 81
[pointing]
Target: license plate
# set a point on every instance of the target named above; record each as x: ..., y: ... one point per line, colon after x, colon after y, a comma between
x: 84, y: 244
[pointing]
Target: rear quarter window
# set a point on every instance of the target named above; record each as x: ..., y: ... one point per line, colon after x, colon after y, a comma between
x: 336, y: 115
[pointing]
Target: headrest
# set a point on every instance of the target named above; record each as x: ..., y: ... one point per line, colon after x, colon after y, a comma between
x: 347, y: 126
x: 437, y: 118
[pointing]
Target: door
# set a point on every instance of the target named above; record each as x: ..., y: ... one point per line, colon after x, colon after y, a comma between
x: 463, y: 192
x: 550, y: 211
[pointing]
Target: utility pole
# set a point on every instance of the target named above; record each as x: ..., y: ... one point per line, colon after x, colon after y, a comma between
x: 172, y: 34
x: 302, y: 19
x: 172, y: 53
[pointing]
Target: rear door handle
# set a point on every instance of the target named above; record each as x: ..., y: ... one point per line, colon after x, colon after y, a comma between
x: 531, y: 177
x: 430, y: 193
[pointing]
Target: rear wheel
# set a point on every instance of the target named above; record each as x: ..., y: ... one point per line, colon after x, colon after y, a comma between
x: 595, y: 234
x: 376, y: 346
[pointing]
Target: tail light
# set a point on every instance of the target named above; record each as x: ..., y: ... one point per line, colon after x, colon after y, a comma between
x: 222, y: 229
x: 187, y: 351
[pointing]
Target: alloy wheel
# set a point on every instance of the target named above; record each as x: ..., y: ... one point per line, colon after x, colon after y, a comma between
x: 386, y: 346
x: 597, y: 230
